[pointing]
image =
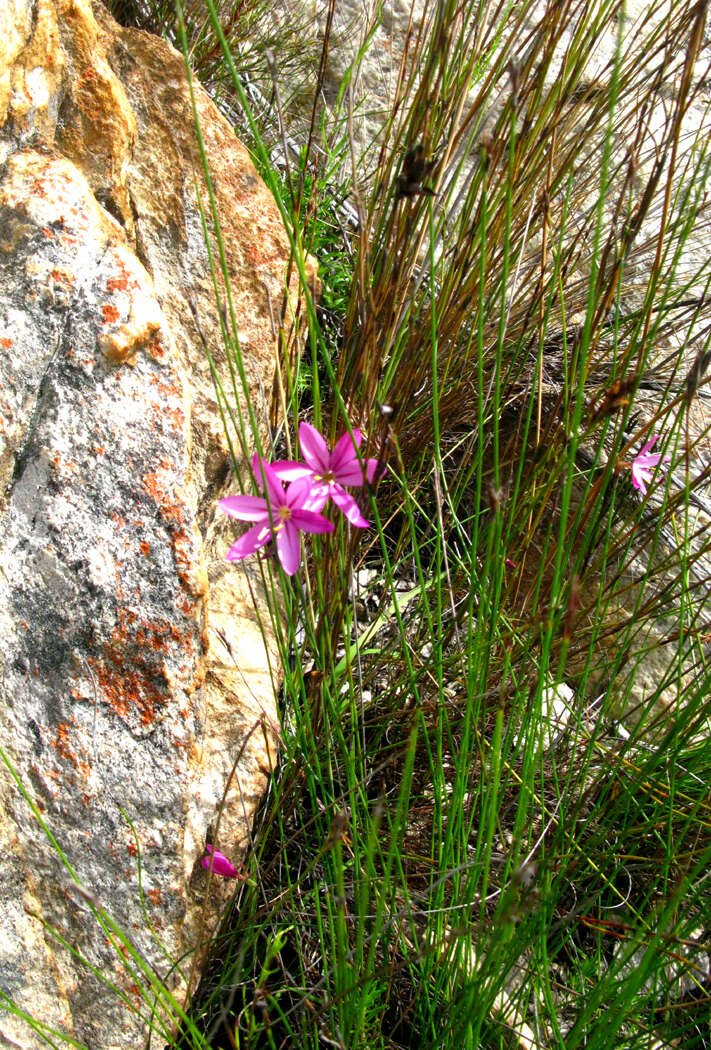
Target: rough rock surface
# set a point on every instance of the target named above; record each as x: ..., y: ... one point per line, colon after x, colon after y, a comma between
x: 133, y: 671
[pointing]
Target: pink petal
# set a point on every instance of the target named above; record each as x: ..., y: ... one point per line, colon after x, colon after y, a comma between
x: 288, y: 470
x: 247, y: 508
x: 373, y: 468
x: 273, y: 488
x: 314, y: 449
x: 349, y: 507
x: 344, y: 456
x: 349, y: 471
x: 289, y: 547
x: 256, y: 537
x: 650, y: 443
x: 351, y: 474
x: 309, y: 521
x: 317, y: 498
x: 299, y: 492
x: 220, y: 864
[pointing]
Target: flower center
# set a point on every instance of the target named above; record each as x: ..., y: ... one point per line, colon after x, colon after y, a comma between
x: 284, y: 514
x: 325, y: 479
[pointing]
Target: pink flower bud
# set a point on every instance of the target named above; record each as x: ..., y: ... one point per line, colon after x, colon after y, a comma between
x: 219, y: 862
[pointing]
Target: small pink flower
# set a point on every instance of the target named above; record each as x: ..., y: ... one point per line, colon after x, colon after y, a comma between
x: 644, y: 464
x: 219, y: 862
x: 291, y: 511
x: 328, y: 472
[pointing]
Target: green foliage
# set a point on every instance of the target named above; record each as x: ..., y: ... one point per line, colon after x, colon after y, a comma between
x: 475, y: 838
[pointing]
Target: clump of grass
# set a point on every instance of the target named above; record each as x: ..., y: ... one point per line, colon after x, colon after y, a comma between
x: 482, y: 832
x: 253, y: 29
x: 445, y: 852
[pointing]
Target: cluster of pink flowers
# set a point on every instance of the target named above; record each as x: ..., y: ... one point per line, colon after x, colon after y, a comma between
x: 284, y: 512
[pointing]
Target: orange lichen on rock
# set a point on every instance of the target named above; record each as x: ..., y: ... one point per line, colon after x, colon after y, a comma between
x: 131, y: 693
x: 61, y: 744
x: 156, y: 637
x: 191, y: 572
x: 63, y: 276
x: 156, y: 484
x: 117, y: 284
x: 123, y: 345
x: 64, y: 467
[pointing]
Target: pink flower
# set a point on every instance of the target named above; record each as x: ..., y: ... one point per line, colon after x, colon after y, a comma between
x: 328, y: 471
x: 219, y: 862
x: 289, y: 514
x: 643, y: 465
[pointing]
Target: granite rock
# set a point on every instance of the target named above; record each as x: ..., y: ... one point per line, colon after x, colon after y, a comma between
x: 136, y: 674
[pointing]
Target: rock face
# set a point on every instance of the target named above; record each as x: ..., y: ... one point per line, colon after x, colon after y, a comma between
x: 134, y: 674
